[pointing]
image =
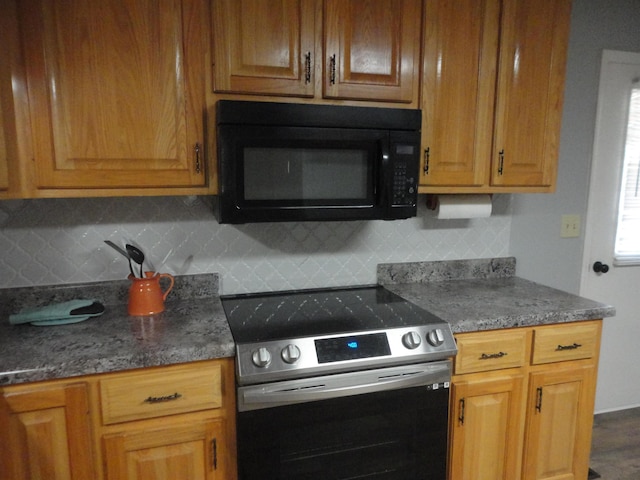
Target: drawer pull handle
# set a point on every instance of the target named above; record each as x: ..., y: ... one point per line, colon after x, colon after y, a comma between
x: 489, y: 356
x: 568, y: 347
x: 166, y: 398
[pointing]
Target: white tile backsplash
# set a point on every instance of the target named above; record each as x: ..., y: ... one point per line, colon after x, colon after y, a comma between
x: 54, y: 241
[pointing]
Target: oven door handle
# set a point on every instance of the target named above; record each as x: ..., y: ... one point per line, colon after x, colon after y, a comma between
x: 325, y: 388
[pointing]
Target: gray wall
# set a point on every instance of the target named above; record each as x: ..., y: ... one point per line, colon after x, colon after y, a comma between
x: 535, y: 225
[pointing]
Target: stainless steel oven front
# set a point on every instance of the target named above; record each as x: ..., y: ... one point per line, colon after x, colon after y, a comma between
x: 341, y: 383
x: 387, y: 423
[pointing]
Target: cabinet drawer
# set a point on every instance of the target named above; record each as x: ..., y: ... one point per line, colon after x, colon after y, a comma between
x: 482, y: 351
x: 558, y: 343
x: 148, y: 394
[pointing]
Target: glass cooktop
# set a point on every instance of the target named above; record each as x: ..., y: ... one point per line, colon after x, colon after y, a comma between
x: 315, y: 312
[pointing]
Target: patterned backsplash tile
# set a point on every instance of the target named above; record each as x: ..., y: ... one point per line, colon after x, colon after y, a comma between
x: 54, y: 241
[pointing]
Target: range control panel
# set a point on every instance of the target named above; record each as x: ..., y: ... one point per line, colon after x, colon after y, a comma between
x: 308, y: 356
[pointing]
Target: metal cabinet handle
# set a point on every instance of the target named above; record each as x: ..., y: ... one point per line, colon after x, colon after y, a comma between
x: 196, y: 150
x: 214, y: 454
x: 332, y: 69
x: 426, y: 160
x: 461, y: 411
x: 165, y: 398
x: 307, y: 68
x: 568, y: 347
x: 488, y: 356
x: 539, y: 399
x: 501, y: 161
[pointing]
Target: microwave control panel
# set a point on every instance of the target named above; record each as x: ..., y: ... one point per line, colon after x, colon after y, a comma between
x: 405, y: 175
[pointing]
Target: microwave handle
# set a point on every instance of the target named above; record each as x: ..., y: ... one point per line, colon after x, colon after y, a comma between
x: 385, y: 166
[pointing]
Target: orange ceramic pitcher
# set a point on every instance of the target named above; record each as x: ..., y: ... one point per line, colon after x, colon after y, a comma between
x: 145, y: 294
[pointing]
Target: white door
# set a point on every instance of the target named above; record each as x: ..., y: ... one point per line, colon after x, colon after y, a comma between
x: 619, y: 372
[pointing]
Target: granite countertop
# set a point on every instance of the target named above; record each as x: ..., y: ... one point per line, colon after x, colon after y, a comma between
x: 192, y: 327
x: 473, y: 295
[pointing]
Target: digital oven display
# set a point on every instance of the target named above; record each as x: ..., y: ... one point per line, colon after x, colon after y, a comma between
x: 352, y: 347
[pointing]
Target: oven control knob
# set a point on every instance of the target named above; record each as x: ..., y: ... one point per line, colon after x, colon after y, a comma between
x: 290, y: 353
x: 411, y: 340
x: 435, y: 337
x: 261, y: 357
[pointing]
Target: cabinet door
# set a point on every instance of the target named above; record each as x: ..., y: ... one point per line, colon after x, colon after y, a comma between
x: 372, y: 49
x: 486, y: 428
x: 559, y: 423
x: 187, y: 451
x: 533, y: 52
x: 9, y: 56
x: 45, y: 434
x: 264, y: 48
x: 460, y: 55
x: 116, y: 91
x: 4, y: 152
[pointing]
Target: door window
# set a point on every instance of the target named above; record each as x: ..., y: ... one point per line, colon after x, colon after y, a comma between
x: 627, y: 245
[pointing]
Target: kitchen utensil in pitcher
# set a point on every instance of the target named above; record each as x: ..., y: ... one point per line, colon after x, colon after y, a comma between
x: 146, y: 296
x: 136, y: 255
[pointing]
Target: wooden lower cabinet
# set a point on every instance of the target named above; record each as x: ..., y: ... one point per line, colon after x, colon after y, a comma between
x: 531, y: 420
x: 169, y: 423
x: 559, y: 422
x: 45, y: 433
x: 189, y: 451
x: 486, y: 423
x: 164, y: 423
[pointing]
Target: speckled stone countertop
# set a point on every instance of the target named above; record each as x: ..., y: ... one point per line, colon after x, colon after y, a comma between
x: 192, y: 327
x: 485, y: 294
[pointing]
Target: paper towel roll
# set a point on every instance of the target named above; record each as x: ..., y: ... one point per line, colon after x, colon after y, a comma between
x: 463, y: 206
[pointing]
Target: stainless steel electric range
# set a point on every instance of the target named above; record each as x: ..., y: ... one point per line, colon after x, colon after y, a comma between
x: 340, y: 383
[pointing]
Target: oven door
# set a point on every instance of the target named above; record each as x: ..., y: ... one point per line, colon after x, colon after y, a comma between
x: 378, y: 424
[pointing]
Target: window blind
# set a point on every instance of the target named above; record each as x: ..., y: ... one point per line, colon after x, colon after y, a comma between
x: 627, y: 244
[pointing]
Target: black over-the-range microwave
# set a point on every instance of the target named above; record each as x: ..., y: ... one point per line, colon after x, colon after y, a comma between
x: 299, y: 162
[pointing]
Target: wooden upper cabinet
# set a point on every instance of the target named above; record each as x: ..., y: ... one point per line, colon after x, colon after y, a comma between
x: 531, y: 72
x: 264, y: 48
x: 10, y: 60
x: 461, y: 41
x: 116, y: 92
x: 4, y: 154
x: 492, y: 94
x: 372, y: 49
x: 332, y: 49
x: 6, y: 102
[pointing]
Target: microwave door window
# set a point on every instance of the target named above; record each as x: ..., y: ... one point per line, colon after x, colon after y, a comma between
x: 308, y: 176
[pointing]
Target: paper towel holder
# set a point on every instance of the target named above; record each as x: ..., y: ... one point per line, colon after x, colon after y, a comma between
x: 432, y: 200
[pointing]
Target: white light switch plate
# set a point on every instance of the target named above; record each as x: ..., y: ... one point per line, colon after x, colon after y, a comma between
x: 570, y: 226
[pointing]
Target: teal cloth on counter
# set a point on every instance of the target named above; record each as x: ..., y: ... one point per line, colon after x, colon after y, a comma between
x: 59, y: 312
x: 61, y: 321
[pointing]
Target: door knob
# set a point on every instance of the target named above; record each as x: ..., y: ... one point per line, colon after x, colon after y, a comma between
x: 600, y: 267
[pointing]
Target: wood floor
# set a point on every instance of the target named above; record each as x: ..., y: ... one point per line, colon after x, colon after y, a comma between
x: 615, y: 451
